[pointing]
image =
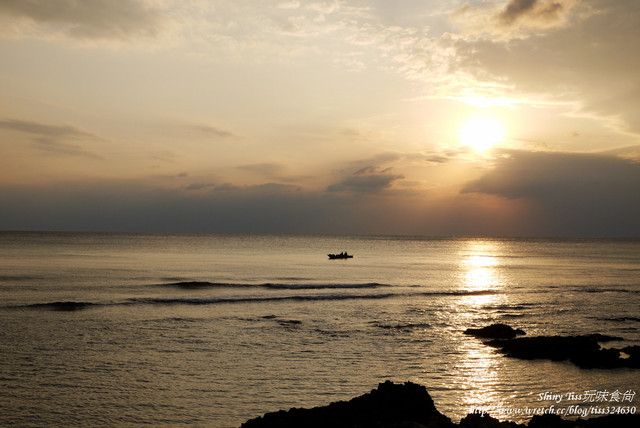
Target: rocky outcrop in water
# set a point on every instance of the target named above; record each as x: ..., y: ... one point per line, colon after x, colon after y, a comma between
x: 584, y: 351
x: 410, y: 406
x: 634, y: 355
x: 495, y: 331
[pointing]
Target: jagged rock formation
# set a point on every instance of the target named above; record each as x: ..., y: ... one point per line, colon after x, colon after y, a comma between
x: 582, y: 350
x: 495, y: 331
x: 410, y: 406
x: 390, y: 405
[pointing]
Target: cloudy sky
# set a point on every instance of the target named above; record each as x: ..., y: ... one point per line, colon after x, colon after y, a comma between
x: 433, y: 117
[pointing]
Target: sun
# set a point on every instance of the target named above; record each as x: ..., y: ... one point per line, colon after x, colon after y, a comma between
x: 481, y: 133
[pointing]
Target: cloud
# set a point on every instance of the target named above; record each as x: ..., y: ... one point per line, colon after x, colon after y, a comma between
x: 51, y: 131
x: 437, y: 158
x: 379, y: 159
x: 518, y: 18
x: 326, y: 7
x: 443, y: 156
x: 60, y: 148
x: 275, y: 172
x: 366, y: 180
x: 516, y: 9
x: 86, y: 19
x: 288, y: 5
x: 589, y: 64
x: 213, y: 131
x: 576, y: 194
x: 200, y: 186
x: 140, y: 206
x: 53, y: 138
x: 265, y: 169
x: 534, y: 12
x: 527, y: 194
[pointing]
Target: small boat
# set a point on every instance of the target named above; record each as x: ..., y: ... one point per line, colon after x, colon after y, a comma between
x: 340, y: 256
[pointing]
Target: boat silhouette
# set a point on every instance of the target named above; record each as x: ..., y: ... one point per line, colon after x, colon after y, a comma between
x: 343, y: 255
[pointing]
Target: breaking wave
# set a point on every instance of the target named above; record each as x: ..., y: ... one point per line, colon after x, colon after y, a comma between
x: 268, y: 285
x: 208, y: 300
x: 60, y: 306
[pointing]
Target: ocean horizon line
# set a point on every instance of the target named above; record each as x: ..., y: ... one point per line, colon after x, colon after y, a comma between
x: 333, y: 235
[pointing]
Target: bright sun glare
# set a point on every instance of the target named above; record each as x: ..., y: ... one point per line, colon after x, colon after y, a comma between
x: 481, y: 133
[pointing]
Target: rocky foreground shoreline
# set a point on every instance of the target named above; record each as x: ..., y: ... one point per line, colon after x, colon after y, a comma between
x: 409, y: 405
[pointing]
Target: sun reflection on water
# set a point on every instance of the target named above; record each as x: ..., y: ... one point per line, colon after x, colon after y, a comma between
x: 479, y: 274
x: 477, y: 372
x: 479, y: 266
x: 479, y: 375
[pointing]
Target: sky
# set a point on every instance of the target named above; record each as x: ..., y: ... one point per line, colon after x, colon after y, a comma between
x: 411, y: 117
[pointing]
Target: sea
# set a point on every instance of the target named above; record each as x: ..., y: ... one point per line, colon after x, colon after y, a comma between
x: 121, y: 329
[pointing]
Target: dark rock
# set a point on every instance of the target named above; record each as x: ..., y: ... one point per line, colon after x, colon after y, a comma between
x: 634, y: 356
x: 609, y: 421
x: 600, y: 358
x: 550, y: 421
x: 410, y: 406
x: 584, y: 351
x: 390, y: 405
x: 495, y: 331
x: 482, y: 420
x: 603, y: 337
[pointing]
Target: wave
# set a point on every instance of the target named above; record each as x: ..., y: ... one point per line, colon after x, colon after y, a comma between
x: 73, y: 306
x: 20, y: 277
x: 297, y: 297
x: 400, y: 326
x: 200, y: 284
x: 584, y: 288
x: 322, y: 286
x: 269, y: 285
x: 60, y: 306
x: 621, y: 319
x: 252, y: 299
x: 608, y: 290
x: 514, y: 306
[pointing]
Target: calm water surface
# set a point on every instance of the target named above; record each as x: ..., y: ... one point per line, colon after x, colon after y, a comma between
x: 211, y: 330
